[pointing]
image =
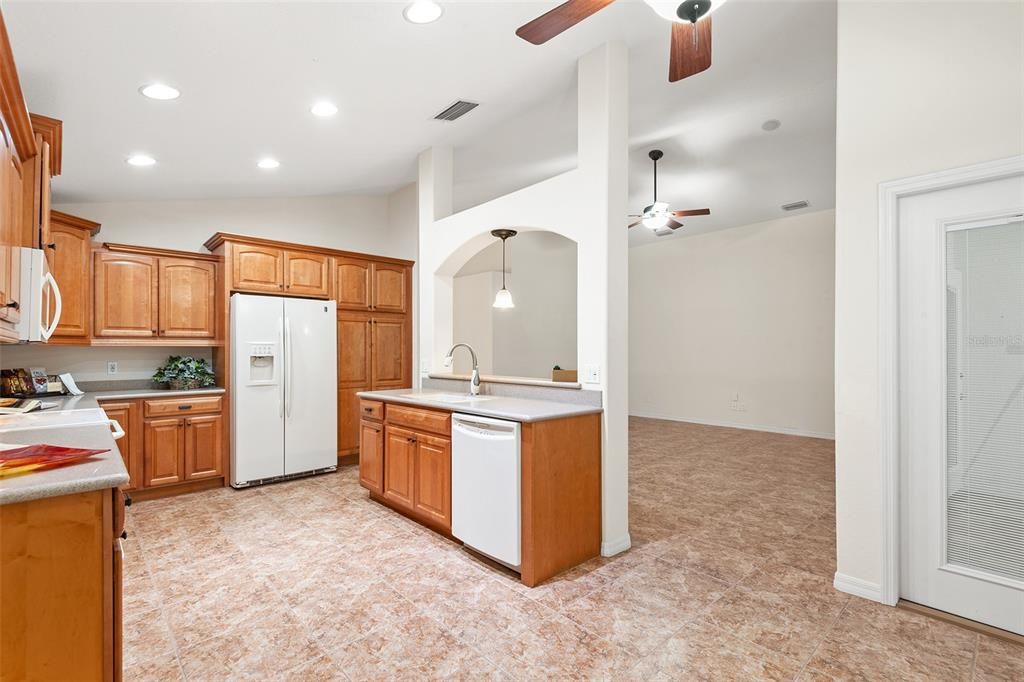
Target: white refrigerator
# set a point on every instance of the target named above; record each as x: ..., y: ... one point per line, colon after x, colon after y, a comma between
x: 284, y: 388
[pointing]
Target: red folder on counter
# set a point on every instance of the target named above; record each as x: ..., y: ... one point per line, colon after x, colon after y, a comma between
x: 20, y: 460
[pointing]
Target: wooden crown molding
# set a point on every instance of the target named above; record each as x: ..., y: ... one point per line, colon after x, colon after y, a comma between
x: 153, y: 251
x: 52, y: 130
x: 12, y: 101
x: 74, y: 221
x: 220, y: 238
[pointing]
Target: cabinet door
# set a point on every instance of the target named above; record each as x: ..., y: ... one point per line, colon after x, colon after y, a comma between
x: 348, y: 420
x: 187, y: 290
x: 70, y: 253
x: 399, y: 466
x: 390, y: 285
x: 126, y: 414
x: 203, y: 451
x: 257, y: 268
x: 44, y: 196
x: 354, y: 342
x: 391, y: 361
x: 163, y: 451
x: 307, y: 274
x: 371, y: 456
x: 125, y: 301
x: 352, y: 283
x: 432, y: 492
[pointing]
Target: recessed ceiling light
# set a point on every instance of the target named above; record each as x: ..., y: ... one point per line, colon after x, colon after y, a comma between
x: 422, y: 12
x: 159, y: 91
x: 324, y: 109
x: 268, y: 163
x: 770, y: 125
x: 141, y: 160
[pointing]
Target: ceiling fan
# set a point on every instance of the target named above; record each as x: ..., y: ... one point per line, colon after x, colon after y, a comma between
x: 657, y: 217
x: 691, y: 29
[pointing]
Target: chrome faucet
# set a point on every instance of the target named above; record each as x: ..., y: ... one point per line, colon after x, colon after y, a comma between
x: 474, y: 381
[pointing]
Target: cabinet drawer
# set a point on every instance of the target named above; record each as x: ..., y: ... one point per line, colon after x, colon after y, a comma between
x: 371, y: 409
x: 420, y: 419
x: 177, y: 406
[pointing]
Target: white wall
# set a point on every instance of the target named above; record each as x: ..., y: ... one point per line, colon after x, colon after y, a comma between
x: 90, y: 364
x: 918, y: 91
x: 473, y: 320
x: 354, y: 223
x: 585, y: 205
x: 746, y: 311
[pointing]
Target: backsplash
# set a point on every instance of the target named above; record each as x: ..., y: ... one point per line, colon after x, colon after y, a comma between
x: 89, y: 364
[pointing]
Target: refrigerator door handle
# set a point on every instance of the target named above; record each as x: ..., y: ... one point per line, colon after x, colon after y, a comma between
x: 280, y: 381
x: 288, y: 366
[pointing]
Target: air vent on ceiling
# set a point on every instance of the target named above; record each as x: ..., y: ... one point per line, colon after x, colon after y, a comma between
x: 457, y: 110
x: 795, y: 206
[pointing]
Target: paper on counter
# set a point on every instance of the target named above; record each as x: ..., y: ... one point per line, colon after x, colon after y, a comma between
x: 69, y: 383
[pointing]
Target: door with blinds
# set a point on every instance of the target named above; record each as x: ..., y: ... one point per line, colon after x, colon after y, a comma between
x: 962, y: 401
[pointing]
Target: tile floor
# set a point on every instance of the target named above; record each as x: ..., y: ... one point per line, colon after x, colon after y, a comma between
x: 729, y: 578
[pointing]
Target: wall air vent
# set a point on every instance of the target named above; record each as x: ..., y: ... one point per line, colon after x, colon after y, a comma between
x: 795, y: 206
x: 457, y: 110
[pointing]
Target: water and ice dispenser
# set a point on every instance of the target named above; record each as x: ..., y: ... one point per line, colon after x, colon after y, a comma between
x: 262, y: 358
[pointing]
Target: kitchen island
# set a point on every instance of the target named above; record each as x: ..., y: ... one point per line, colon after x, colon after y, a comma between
x: 60, y: 554
x: 406, y: 464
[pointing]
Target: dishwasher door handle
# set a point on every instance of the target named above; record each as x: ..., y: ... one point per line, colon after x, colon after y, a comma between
x: 491, y: 429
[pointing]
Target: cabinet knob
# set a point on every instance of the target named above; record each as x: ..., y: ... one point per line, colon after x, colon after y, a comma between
x: 13, y: 305
x: 124, y: 535
x: 127, y: 500
x: 52, y: 245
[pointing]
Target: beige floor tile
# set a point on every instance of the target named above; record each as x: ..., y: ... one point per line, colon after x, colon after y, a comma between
x: 998, y: 659
x: 162, y: 669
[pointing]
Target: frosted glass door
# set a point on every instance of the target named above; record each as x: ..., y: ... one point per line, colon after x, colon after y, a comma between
x: 985, y: 399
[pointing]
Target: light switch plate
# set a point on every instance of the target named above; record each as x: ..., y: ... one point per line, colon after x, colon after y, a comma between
x: 592, y: 375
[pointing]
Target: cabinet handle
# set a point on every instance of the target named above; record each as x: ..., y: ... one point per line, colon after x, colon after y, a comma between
x: 127, y: 500
x: 124, y: 535
x: 411, y: 440
x: 13, y: 305
x: 367, y: 409
x: 52, y: 245
x: 184, y: 407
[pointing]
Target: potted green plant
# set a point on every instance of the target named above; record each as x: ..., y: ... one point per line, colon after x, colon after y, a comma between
x: 183, y: 373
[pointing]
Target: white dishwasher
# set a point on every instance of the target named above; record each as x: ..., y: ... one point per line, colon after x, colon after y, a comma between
x: 486, y: 486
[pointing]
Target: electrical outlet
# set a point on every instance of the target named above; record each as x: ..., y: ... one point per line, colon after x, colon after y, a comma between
x: 111, y: 368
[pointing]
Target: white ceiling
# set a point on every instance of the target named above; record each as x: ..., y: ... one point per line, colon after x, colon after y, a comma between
x: 248, y: 73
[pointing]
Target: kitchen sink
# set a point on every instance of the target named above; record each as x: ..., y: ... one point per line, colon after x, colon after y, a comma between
x: 453, y: 398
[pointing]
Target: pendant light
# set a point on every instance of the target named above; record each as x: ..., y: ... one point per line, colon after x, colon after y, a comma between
x: 503, y: 299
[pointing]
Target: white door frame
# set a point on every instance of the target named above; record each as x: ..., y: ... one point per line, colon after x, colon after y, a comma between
x: 889, y: 195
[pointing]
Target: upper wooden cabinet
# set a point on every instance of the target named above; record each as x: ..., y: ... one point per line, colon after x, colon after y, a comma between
x: 363, y: 284
x: 125, y: 298
x: 257, y: 268
x: 187, y: 298
x: 140, y: 292
x: 391, y: 288
x: 70, y: 254
x: 307, y: 274
x: 352, y: 284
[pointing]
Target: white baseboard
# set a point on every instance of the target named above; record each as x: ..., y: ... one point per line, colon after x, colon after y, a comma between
x: 617, y: 547
x: 857, y: 587
x: 748, y: 427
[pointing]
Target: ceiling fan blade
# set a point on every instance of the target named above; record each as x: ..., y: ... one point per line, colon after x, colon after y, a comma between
x: 692, y: 211
x: 565, y: 16
x: 691, y: 49
x: 632, y: 225
x: 673, y: 225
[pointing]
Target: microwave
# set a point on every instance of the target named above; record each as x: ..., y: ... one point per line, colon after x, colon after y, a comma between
x: 40, y: 298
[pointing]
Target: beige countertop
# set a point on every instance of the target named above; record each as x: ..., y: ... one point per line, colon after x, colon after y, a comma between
x: 89, y: 429
x: 513, y: 409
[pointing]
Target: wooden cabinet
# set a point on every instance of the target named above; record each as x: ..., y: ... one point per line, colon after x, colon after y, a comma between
x: 257, y: 268
x: 432, y: 484
x: 391, y: 365
x: 203, y: 438
x: 125, y: 301
x: 354, y: 354
x: 143, y: 293
x: 371, y: 455
x: 391, y: 287
x: 70, y: 254
x: 164, y: 451
x: 126, y: 414
x: 399, y: 466
x: 407, y: 461
x: 307, y: 274
x: 187, y: 298
x: 352, y: 283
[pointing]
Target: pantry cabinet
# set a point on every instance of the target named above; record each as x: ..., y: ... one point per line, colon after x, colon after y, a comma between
x: 378, y: 286
x: 145, y: 293
x: 352, y: 283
